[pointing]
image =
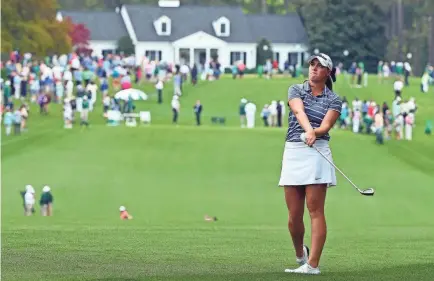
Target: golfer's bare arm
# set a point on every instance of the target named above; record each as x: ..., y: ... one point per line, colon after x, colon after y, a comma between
x: 297, y: 107
x: 327, y: 123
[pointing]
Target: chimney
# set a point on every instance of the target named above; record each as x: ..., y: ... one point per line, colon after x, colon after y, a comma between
x: 169, y: 3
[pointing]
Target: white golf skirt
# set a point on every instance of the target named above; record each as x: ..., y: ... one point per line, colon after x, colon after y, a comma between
x: 303, y: 165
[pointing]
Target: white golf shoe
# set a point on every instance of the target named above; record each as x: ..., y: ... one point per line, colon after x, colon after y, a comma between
x: 304, y: 269
x: 305, y: 257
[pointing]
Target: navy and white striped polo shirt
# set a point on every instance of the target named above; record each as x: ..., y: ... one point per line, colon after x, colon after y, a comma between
x: 314, y: 107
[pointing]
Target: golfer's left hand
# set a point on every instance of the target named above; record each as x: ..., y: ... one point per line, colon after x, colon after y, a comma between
x: 310, y: 137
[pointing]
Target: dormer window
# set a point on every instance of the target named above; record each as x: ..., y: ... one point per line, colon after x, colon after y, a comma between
x: 222, y: 27
x: 163, y: 26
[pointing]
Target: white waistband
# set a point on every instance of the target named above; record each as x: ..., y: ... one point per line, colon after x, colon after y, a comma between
x: 318, y: 143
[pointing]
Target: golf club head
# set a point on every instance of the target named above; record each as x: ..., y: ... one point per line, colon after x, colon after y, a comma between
x: 367, y: 192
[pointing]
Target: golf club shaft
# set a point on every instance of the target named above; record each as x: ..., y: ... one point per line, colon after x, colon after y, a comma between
x: 331, y: 163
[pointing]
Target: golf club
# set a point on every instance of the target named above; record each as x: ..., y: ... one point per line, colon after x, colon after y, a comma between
x: 367, y: 192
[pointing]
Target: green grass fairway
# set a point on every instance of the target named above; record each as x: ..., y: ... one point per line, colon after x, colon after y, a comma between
x: 169, y: 177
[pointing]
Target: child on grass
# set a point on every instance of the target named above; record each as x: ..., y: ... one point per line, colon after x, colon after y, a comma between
x: 124, y: 213
x: 46, y: 202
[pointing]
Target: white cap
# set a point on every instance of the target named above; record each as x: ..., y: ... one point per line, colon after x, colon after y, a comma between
x: 30, y: 188
x: 46, y: 189
x: 323, y: 59
x: 243, y: 100
x: 122, y: 208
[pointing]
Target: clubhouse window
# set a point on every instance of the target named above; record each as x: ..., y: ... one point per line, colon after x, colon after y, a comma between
x: 238, y: 56
x: 154, y: 55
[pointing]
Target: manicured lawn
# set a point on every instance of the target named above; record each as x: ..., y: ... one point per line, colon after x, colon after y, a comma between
x: 169, y: 177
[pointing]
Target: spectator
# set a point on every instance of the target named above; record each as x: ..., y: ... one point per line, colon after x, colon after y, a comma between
x: 198, y: 111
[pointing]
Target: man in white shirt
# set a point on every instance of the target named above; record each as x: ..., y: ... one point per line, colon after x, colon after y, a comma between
x: 357, y: 105
x: 386, y: 70
x: 412, y: 107
x: 57, y: 72
x: 67, y: 75
x: 409, y: 121
x: 398, y: 86
x: 407, y: 72
x: 399, y: 126
x: 175, y: 108
x: 396, y: 107
x: 273, y: 114
x: 67, y: 113
x: 69, y: 88
x: 92, y: 89
x: 63, y: 61
x: 250, y: 114
x: 75, y: 63
x: 29, y: 200
x: 159, y: 86
x: 185, y: 70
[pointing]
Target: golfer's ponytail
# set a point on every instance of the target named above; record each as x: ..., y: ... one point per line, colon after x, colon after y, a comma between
x: 331, y: 79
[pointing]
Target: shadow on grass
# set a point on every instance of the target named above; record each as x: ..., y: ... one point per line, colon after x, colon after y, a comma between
x: 407, y: 272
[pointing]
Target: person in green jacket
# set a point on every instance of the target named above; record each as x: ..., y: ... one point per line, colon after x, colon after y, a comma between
x: 260, y: 70
x: 46, y: 202
x: 7, y: 92
x: 428, y: 127
x: 87, y: 76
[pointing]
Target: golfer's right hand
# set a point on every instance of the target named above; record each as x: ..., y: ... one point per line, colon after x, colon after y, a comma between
x: 310, y: 137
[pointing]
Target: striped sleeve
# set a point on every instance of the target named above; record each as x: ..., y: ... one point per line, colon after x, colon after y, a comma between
x: 293, y: 92
x: 336, y: 105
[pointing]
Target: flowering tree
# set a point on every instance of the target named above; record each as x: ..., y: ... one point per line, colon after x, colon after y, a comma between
x: 80, y: 36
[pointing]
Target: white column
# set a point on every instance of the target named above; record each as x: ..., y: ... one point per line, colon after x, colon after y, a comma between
x: 224, y: 58
x: 139, y: 57
x: 282, y: 60
x: 299, y: 58
x: 176, y: 55
x: 253, y: 58
x: 191, y: 57
x: 208, y: 56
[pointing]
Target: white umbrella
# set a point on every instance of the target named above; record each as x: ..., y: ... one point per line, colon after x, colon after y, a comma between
x: 134, y: 93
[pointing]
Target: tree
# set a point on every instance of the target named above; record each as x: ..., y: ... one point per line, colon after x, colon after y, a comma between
x: 334, y: 26
x: 264, y: 7
x: 30, y: 26
x: 80, y: 36
x: 249, y: 6
x: 264, y: 52
x: 416, y: 32
x: 125, y: 45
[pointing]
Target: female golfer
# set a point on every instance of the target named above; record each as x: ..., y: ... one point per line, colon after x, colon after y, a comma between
x: 305, y: 174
